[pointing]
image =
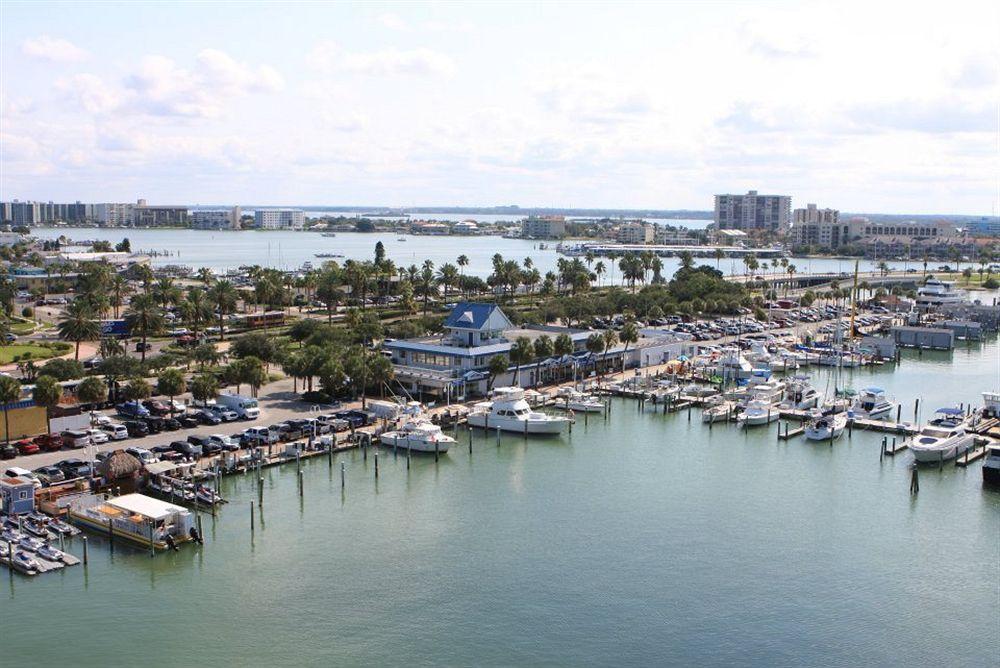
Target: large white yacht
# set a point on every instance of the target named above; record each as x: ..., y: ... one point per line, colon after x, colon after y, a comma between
x: 942, y: 438
x: 936, y: 293
x: 509, y: 411
x: 871, y: 403
x: 418, y: 436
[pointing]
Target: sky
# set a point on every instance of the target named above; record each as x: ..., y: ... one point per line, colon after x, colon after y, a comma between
x: 875, y: 107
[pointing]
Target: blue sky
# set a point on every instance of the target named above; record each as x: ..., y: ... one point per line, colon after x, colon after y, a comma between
x: 878, y: 107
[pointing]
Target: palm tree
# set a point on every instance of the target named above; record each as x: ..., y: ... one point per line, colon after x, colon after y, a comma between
x: 521, y: 352
x: 687, y: 260
x: 447, y: 275
x: 719, y: 254
x: 463, y: 262
x: 609, y: 338
x: 497, y: 365
x: 543, y: 348
x: 599, y: 270
x: 205, y: 276
x: 427, y: 281
x: 10, y: 391
x: 78, y: 324
x: 119, y: 289
x: 328, y: 289
x: 47, y: 394
x: 223, y: 296
x: 629, y: 334
x: 144, y: 317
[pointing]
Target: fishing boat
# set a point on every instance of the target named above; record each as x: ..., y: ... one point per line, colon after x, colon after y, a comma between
x: 36, y: 528
x: 942, y: 438
x: 9, y: 535
x: 756, y: 413
x: 700, y: 391
x: 418, y: 436
x: 800, y: 394
x: 58, y: 526
x: 871, y: 403
x: 825, y: 427
x: 508, y: 411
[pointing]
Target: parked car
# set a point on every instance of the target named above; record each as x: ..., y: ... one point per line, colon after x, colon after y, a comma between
x: 74, y: 468
x: 355, y: 417
x: 132, y: 409
x: 288, y: 432
x: 140, y: 346
x: 142, y: 454
x: 49, y: 475
x: 224, y: 413
x: 207, y: 416
x: 227, y: 443
x: 171, y: 424
x: 26, y: 446
x: 260, y: 435
x: 186, y: 449
x: 187, y: 421
x: 49, y: 442
x: 156, y: 407
x: 165, y: 453
x: 76, y: 438
x: 136, y: 429
x: 116, y: 431
x: 97, y: 436
x: 7, y: 451
x: 154, y: 424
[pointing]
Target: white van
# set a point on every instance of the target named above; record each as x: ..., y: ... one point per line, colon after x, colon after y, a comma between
x: 18, y: 472
x: 246, y: 407
x: 115, y: 431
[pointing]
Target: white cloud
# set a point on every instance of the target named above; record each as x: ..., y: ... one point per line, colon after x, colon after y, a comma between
x: 91, y: 92
x: 54, y: 49
x: 330, y: 57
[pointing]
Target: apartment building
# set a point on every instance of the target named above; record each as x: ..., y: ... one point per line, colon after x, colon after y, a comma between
x: 753, y: 212
x: 144, y: 215
x: 636, y: 232
x: 279, y: 219
x: 813, y: 226
x: 216, y: 219
x: 543, y: 227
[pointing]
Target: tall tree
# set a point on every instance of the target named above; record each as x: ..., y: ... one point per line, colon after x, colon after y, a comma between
x: 47, y: 393
x: 171, y: 383
x: 521, y: 352
x: 223, y: 295
x: 10, y: 392
x: 78, y: 324
x: 144, y: 318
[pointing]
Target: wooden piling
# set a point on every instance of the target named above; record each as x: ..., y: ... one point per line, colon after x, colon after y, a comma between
x: 85, y: 554
x: 376, y: 464
x: 341, y: 475
x: 111, y: 538
x: 914, y: 480
x: 251, y: 519
x: 437, y: 448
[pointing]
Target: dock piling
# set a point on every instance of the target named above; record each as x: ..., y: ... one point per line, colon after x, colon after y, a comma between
x: 376, y: 464
x: 914, y: 480
x: 341, y: 475
x: 86, y: 558
x: 251, y: 519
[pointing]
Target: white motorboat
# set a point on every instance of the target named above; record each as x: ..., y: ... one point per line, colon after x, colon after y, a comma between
x: 784, y: 361
x: 800, y: 394
x: 578, y: 401
x: 731, y: 366
x: 24, y: 562
x: 757, y: 412
x: 871, y: 403
x: 50, y: 553
x: 717, y: 409
x: 418, y: 436
x: 991, y: 404
x: 509, y: 411
x: 825, y: 427
x: 30, y: 544
x: 697, y: 390
x: 942, y: 438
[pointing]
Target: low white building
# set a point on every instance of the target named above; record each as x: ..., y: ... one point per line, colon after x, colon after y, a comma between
x: 216, y: 219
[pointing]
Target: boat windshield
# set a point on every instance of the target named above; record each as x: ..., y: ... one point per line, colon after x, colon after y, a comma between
x: 937, y: 433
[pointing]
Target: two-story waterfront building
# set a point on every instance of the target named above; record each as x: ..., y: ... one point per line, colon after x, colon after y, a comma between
x: 456, y: 363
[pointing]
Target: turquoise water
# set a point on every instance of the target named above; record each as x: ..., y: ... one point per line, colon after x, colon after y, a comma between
x: 288, y: 250
x: 643, y: 540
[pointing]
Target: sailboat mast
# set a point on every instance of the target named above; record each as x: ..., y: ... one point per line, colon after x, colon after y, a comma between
x: 854, y: 299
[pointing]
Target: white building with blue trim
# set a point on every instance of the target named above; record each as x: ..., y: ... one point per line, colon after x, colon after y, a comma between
x: 455, y: 363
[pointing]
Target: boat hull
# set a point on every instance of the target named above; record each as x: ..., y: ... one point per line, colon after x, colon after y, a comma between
x: 946, y: 451
x: 518, y: 426
x: 415, y: 444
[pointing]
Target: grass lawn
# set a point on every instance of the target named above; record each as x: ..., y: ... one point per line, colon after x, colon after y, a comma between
x: 8, y: 353
x: 21, y: 327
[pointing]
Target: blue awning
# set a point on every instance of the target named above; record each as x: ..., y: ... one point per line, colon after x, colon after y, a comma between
x: 950, y: 411
x: 873, y: 390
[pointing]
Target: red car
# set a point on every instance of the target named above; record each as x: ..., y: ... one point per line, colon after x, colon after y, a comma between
x: 27, y: 447
x: 49, y: 442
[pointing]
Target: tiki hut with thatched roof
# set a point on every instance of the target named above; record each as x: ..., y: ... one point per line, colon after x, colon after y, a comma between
x: 120, y: 469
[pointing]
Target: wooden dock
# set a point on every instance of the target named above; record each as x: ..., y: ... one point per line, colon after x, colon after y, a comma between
x: 905, y: 428
x: 977, y: 452
x: 788, y: 434
x: 894, y: 447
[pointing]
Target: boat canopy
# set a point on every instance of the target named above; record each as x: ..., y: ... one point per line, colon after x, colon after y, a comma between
x: 873, y: 390
x: 950, y: 411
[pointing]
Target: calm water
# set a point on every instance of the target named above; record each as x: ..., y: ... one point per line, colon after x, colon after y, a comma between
x: 288, y: 250
x: 643, y: 540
